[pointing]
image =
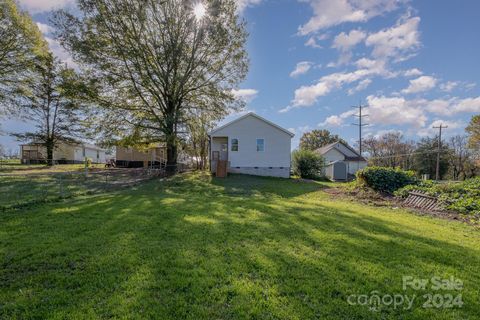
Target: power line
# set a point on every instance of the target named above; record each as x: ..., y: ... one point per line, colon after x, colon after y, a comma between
x: 402, y: 155
x: 360, y: 125
x: 439, y: 148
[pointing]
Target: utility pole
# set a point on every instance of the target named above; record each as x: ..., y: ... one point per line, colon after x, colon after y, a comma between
x: 360, y: 125
x: 439, y: 149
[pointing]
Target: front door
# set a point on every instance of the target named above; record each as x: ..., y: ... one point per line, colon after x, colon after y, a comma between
x: 224, y: 151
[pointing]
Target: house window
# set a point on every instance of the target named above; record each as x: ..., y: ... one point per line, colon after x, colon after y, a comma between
x: 260, y: 145
x: 83, y: 152
x: 234, y: 144
x: 98, y: 154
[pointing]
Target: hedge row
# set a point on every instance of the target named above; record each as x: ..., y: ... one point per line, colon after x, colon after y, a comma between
x: 386, y: 180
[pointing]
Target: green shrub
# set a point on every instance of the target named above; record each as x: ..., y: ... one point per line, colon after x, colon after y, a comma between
x: 384, y: 179
x: 462, y: 197
x: 427, y: 186
x: 307, y: 164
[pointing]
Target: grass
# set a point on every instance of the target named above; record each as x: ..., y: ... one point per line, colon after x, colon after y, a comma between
x: 240, y: 248
x: 23, y: 169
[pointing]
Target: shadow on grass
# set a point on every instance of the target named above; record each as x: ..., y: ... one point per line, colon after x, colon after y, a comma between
x: 196, y: 248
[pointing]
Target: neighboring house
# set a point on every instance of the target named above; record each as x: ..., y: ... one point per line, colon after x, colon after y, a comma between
x: 64, y: 153
x: 130, y: 157
x: 341, y: 160
x: 251, y: 145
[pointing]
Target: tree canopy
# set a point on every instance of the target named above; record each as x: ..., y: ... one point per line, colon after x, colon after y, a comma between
x: 315, y: 139
x: 49, y: 103
x: 473, y: 131
x: 153, y: 65
x: 425, y: 159
x: 20, y: 42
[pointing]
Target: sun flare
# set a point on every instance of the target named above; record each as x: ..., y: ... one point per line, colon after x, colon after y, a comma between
x: 199, y: 11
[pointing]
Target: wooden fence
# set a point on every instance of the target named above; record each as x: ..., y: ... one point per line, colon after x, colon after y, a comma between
x: 419, y: 199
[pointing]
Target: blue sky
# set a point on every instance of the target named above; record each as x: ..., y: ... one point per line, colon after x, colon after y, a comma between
x: 414, y: 63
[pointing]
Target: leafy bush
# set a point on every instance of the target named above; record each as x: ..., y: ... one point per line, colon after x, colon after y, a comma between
x: 463, y: 197
x: 307, y: 164
x: 385, y: 179
x: 426, y: 186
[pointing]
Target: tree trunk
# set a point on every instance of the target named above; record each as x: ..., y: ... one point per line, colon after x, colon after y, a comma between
x: 171, y: 155
x: 49, y: 146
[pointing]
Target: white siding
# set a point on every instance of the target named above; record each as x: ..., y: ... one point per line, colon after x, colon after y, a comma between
x: 247, y: 131
x: 333, y: 155
x: 89, y: 153
x: 354, y: 166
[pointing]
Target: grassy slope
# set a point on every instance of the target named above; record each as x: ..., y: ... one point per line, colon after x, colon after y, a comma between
x: 243, y: 247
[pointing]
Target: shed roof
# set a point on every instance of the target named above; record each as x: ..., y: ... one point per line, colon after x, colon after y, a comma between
x: 334, y: 145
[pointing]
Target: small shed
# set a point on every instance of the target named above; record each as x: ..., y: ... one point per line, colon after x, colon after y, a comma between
x: 339, y: 152
x: 337, y: 171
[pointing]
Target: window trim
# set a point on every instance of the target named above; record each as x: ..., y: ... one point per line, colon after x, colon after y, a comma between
x: 232, y: 144
x: 256, y: 145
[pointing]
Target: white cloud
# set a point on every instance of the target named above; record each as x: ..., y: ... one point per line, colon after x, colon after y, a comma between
x: 449, y: 126
x: 412, y: 73
x: 394, y: 111
x: 328, y: 13
x: 466, y: 105
x: 388, y: 111
x: 346, y: 41
x: 332, y: 121
x: 243, y: 4
x: 312, y: 42
x: 307, y: 95
x: 448, y: 86
x: 398, y: 42
x: 301, y: 68
x: 38, y: 6
x: 420, y: 84
x: 381, y: 133
x: 470, y: 86
x: 44, y: 28
x: 60, y: 53
x: 362, y: 85
x: 337, y: 120
x: 246, y: 95
x: 448, y: 107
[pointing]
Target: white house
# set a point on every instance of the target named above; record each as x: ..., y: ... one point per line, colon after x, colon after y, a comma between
x: 64, y: 153
x: 341, y: 160
x: 253, y: 145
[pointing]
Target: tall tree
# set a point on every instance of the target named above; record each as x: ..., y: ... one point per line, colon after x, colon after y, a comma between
x: 473, y: 131
x: 461, y: 158
x: 425, y: 159
x: 315, y: 139
x: 20, y: 42
x: 153, y: 63
x: 389, y: 150
x: 49, y: 103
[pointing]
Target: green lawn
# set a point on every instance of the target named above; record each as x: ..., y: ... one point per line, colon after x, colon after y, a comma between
x: 239, y: 248
x: 15, y: 167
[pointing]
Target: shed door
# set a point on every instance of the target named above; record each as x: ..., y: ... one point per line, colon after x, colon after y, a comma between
x: 339, y: 171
